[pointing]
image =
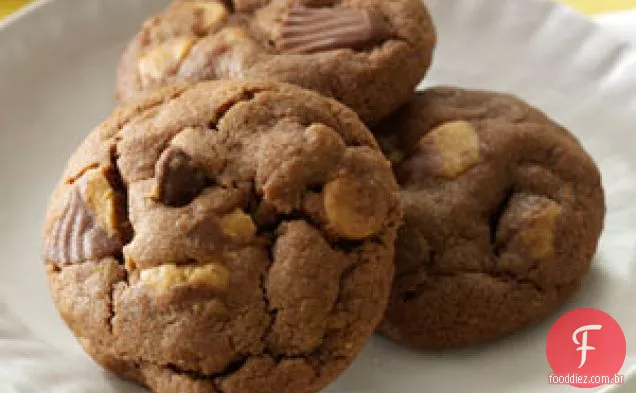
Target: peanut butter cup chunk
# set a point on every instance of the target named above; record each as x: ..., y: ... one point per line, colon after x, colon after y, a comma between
x: 307, y: 30
x: 503, y: 213
x: 368, y: 54
x: 182, y: 252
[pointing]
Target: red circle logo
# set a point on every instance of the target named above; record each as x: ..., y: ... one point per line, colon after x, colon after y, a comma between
x: 586, y: 348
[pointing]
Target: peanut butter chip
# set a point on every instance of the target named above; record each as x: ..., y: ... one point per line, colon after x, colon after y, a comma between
x: 454, y: 148
x: 237, y: 224
x: 165, y: 277
x: 539, y: 233
x: 227, y: 64
x: 219, y: 56
x: 163, y: 60
x: 309, y: 30
x: 101, y: 200
x: 355, y: 210
x: 212, y: 14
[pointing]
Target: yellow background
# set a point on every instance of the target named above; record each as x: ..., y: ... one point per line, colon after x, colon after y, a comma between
x: 587, y: 6
x: 598, y: 6
x: 8, y: 6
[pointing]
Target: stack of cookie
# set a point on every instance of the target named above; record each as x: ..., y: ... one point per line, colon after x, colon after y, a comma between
x: 234, y: 227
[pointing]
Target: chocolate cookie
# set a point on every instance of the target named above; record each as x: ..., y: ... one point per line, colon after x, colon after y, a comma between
x: 503, y: 213
x: 368, y: 54
x: 228, y: 237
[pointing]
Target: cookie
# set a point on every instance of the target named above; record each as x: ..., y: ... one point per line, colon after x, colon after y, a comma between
x: 503, y: 212
x: 226, y: 237
x: 368, y: 54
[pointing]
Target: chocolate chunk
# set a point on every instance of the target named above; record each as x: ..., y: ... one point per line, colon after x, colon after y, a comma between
x: 77, y: 236
x: 249, y: 5
x: 307, y: 30
x: 179, y: 181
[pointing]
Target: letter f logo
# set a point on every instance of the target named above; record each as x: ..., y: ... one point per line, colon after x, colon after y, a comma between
x: 583, y: 344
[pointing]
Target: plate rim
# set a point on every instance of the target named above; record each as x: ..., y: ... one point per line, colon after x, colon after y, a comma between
x: 23, y: 14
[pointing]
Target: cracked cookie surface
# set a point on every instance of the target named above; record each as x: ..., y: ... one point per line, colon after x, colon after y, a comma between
x: 368, y: 54
x: 209, y: 239
x: 503, y: 212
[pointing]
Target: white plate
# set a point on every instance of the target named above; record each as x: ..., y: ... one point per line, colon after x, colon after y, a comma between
x: 57, y: 62
x: 622, y: 23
